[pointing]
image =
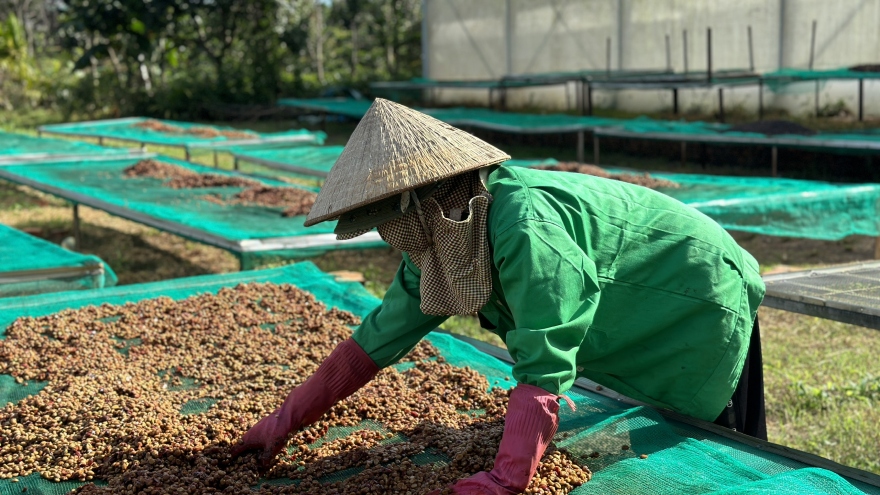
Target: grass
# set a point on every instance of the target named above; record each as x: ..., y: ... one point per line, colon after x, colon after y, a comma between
x: 822, y: 384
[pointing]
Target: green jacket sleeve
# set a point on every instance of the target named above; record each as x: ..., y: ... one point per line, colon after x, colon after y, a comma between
x: 391, y: 330
x: 552, y: 291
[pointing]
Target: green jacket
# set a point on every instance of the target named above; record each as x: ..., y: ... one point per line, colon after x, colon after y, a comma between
x: 600, y: 279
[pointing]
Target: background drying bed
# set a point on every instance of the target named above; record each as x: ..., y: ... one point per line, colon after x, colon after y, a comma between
x: 769, y: 206
x: 681, y: 458
x: 22, y: 147
x: 780, y: 207
x: 316, y: 161
x: 30, y: 265
x: 252, y: 232
x: 134, y: 129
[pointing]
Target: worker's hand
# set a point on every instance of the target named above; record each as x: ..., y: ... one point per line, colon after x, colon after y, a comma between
x: 269, y: 436
x: 529, y: 427
x: 345, y: 370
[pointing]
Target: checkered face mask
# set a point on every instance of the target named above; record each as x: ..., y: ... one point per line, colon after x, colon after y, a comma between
x: 446, y: 237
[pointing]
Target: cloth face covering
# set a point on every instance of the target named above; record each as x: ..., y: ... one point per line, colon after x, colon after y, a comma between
x: 453, y: 254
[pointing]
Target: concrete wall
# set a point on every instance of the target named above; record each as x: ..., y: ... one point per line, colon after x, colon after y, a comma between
x: 486, y: 39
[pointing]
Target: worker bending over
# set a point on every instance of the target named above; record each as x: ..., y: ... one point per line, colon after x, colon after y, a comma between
x: 580, y: 277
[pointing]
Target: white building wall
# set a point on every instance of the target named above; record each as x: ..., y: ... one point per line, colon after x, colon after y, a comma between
x: 486, y: 39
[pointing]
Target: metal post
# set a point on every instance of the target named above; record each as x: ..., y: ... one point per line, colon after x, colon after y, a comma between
x: 426, y: 42
x: 77, y: 236
x: 684, y: 153
x: 781, y: 61
x: 668, y: 56
x: 760, y: 98
x: 709, y: 54
x: 589, y: 99
x: 861, y: 99
x: 582, y: 97
x: 675, y: 101
x: 721, y: 104
x: 608, y: 57
x: 751, y: 52
x: 684, y: 35
x: 508, y: 35
x: 580, y: 147
x: 812, y: 45
x: 773, y: 160
x: 816, y: 98
x: 595, y: 149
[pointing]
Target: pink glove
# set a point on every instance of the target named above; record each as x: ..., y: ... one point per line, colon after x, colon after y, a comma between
x: 345, y: 370
x: 529, y: 427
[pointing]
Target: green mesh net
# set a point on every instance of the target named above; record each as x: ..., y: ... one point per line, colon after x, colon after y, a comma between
x: 681, y: 131
x: 522, y: 123
x: 640, y: 128
x: 774, y: 206
x: 682, y: 458
x: 23, y: 147
x: 30, y: 265
x: 313, y: 161
x: 316, y: 161
x: 193, y: 137
x: 347, y: 107
x: 210, y: 215
x: 768, y: 206
x: 785, y: 80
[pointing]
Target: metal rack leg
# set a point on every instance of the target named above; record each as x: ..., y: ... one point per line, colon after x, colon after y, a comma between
x: 580, y: 147
x: 721, y: 104
x: 760, y: 99
x: 595, y: 149
x: 675, y: 101
x: 773, y: 160
x: 684, y: 151
x: 589, y: 100
x: 861, y: 99
x: 77, y: 235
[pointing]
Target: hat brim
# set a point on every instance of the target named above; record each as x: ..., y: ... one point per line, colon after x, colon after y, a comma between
x: 374, y: 214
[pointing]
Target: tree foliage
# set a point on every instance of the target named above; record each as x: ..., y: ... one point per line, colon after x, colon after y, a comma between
x: 177, y: 57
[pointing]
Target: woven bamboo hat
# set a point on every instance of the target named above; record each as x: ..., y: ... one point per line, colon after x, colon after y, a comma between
x: 395, y: 149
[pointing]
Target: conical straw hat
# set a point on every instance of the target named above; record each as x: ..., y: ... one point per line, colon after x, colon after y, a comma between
x: 396, y: 149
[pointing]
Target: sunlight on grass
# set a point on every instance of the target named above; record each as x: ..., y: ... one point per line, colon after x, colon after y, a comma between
x: 822, y: 387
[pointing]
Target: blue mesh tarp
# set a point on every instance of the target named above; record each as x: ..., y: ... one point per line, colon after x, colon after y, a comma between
x: 681, y: 457
x: 30, y: 265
